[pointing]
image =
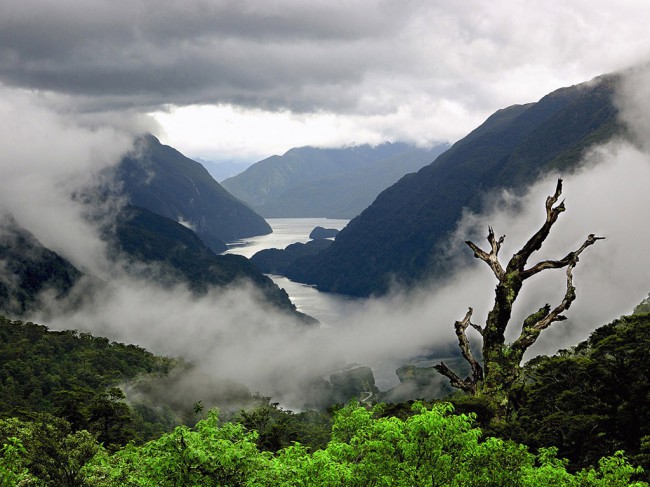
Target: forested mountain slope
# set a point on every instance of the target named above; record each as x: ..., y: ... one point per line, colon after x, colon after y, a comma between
x: 72, y: 375
x: 27, y: 270
x: 58, y: 402
x: 162, y: 180
x: 142, y: 243
x: 592, y: 399
x: 178, y: 255
x: 397, y: 238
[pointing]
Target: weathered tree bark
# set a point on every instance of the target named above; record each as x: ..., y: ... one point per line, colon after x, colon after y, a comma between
x: 501, y: 370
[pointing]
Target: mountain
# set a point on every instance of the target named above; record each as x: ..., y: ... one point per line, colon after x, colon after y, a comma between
x: 179, y: 255
x: 28, y: 269
x: 32, y: 276
x: 329, y: 183
x: 168, y: 184
x: 398, y: 237
x: 276, y: 261
x: 223, y: 169
x: 162, y: 180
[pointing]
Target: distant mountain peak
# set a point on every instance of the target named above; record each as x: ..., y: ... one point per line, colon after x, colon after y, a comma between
x: 161, y: 179
x: 336, y: 182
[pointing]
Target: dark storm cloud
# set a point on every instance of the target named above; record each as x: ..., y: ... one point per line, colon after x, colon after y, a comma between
x: 141, y: 52
x: 367, y: 56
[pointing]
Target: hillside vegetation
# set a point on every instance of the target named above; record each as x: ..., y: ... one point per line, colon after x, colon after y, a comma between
x: 28, y: 271
x: 177, y: 255
x: 141, y: 244
x: 67, y: 424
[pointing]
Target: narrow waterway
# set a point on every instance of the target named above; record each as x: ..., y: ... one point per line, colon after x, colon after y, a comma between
x: 327, y: 308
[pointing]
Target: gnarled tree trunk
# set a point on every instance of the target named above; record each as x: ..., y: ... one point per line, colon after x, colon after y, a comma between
x: 498, y: 377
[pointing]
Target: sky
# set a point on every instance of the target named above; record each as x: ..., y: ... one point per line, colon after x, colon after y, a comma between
x: 239, y: 80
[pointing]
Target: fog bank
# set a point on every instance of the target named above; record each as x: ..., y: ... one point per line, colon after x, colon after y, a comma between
x: 232, y: 334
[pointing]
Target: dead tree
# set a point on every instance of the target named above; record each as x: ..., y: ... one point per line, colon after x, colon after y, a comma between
x: 500, y: 371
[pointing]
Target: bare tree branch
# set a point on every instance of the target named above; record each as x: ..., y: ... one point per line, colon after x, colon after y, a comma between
x: 541, y: 320
x: 468, y: 384
x: 512, y: 279
x: 461, y: 332
x: 490, y: 259
x: 465, y: 385
x: 518, y: 261
x: 501, y: 367
x: 477, y: 328
x: 558, y: 264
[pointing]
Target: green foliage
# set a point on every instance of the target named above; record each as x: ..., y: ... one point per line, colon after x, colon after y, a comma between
x: 431, y: 448
x: 643, y: 307
x: 593, y: 400
x: 204, y: 455
x: 12, y: 466
x: 278, y: 428
x: 73, y: 375
x: 46, y: 449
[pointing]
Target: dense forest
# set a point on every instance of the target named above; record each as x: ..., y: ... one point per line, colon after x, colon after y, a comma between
x: 582, y: 420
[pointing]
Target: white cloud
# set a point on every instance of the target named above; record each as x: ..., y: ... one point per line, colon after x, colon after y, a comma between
x: 226, y: 133
x: 46, y: 158
x: 360, y: 71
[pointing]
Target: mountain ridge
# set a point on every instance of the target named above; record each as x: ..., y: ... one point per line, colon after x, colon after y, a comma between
x: 28, y: 270
x: 397, y: 238
x: 326, y: 183
x: 161, y: 179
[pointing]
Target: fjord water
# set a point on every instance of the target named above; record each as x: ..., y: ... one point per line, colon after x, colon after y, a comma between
x: 326, y: 307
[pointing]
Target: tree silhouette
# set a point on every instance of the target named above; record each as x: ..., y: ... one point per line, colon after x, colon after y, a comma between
x: 499, y: 376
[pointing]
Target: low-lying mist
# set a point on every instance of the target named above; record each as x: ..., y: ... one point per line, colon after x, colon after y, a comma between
x: 233, y: 335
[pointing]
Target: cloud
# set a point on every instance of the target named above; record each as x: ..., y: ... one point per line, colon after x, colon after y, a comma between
x: 369, y: 57
x: 46, y: 158
x: 231, y: 334
x: 194, y: 127
x: 357, y: 72
x: 148, y: 53
x: 632, y: 99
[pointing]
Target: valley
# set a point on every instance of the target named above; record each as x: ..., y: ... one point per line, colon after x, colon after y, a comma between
x: 153, y: 317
